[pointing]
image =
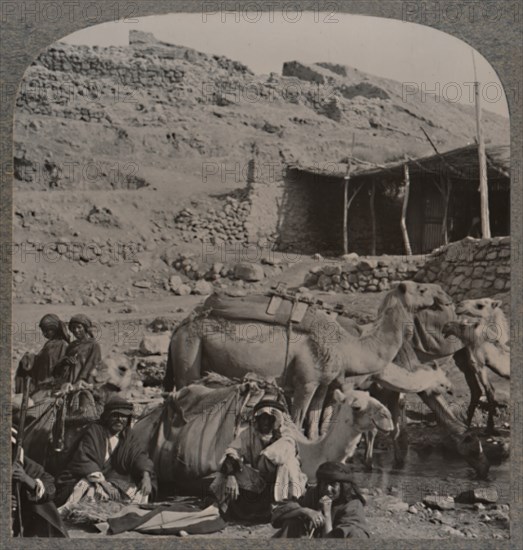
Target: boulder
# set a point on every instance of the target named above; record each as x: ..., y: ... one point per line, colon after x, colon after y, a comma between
x: 155, y: 344
x: 390, y: 503
x: 485, y: 495
x: 183, y: 290
x: 249, y: 272
x: 142, y: 284
x: 203, y: 288
x: 175, y: 281
x: 439, y: 502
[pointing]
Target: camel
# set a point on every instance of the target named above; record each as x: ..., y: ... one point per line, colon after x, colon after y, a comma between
x: 315, y: 357
x: 484, y: 330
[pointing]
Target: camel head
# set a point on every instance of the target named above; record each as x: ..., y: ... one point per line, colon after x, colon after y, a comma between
x: 494, y: 324
x: 465, y: 329
x: 484, y: 308
x: 441, y: 298
x: 439, y: 382
x: 414, y: 296
x: 368, y: 412
x: 119, y: 372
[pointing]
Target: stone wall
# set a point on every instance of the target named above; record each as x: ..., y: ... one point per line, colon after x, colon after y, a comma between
x: 363, y: 274
x: 470, y: 268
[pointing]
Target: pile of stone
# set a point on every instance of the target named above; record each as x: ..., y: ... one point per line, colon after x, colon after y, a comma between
x: 216, y: 226
x: 196, y: 277
x: 107, y: 252
x: 362, y: 274
x: 470, y: 268
x: 152, y: 363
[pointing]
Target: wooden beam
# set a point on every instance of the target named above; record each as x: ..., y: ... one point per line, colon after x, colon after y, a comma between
x: 403, y: 222
x: 373, y: 218
x: 442, y: 158
x: 482, y: 158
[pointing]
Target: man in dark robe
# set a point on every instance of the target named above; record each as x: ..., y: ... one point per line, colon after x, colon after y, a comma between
x: 331, y: 509
x: 40, y: 366
x: 83, y: 356
x: 109, y: 462
x: 39, y: 515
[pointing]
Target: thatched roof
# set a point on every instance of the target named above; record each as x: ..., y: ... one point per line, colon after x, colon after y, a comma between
x: 460, y: 164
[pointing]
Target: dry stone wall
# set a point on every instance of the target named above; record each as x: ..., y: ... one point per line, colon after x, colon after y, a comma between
x: 470, y: 268
x: 363, y: 274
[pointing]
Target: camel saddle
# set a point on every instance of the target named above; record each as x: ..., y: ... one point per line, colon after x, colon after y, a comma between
x: 273, y: 309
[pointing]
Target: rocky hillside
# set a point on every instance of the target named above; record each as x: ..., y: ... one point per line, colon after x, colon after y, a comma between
x: 113, y: 145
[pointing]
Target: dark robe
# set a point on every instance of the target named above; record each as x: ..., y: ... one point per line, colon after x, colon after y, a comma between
x: 348, y: 518
x: 126, y: 465
x: 40, y: 518
x: 43, y: 364
x: 89, y: 358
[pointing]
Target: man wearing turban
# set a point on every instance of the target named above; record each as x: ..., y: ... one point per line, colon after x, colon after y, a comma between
x: 257, y: 470
x: 331, y: 509
x: 109, y: 462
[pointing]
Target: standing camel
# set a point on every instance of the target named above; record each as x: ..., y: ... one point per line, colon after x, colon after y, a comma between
x: 483, y: 328
x: 320, y: 352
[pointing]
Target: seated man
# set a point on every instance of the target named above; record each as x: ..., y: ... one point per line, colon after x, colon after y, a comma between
x: 254, y: 473
x: 34, y: 507
x: 332, y: 509
x: 109, y: 462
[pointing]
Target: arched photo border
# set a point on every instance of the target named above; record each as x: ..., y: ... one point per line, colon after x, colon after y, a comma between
x: 498, y: 39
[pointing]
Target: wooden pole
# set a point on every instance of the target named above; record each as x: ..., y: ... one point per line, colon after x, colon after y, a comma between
x: 373, y: 218
x: 403, y: 222
x: 444, y: 224
x: 18, y: 449
x: 345, y: 204
x: 345, y: 215
x: 482, y: 158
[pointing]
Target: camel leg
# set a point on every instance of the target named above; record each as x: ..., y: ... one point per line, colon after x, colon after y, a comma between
x: 491, y: 401
x: 301, y: 402
x: 370, y: 437
x: 185, y: 353
x: 468, y: 367
x: 399, y: 436
x: 467, y: 444
x: 315, y: 411
x: 392, y: 400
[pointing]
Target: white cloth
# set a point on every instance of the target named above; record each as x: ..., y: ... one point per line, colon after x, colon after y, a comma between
x: 85, y: 490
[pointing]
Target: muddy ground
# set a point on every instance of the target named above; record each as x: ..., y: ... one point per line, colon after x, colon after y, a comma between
x: 395, y: 508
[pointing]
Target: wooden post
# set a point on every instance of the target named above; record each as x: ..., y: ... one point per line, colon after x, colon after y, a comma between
x: 444, y: 224
x: 345, y: 215
x: 373, y: 218
x: 482, y: 158
x: 346, y: 180
x: 403, y: 221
